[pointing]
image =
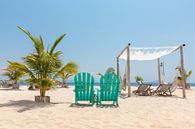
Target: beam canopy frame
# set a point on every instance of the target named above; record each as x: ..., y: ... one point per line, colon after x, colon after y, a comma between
x: 152, y: 53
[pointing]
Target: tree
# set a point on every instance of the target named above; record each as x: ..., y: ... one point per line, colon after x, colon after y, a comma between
x: 67, y: 71
x: 139, y: 79
x: 41, y: 66
x: 186, y: 74
x: 110, y: 70
x: 14, y: 74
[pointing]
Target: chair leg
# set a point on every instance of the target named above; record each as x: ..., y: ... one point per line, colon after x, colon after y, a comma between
x: 92, y: 101
x: 100, y: 103
x: 170, y: 92
x: 76, y: 102
x: 117, y: 104
x: 97, y: 101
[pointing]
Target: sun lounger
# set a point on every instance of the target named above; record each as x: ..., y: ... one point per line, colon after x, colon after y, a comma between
x: 144, y: 89
x: 165, y: 89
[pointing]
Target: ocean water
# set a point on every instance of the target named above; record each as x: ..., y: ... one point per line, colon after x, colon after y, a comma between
x: 97, y: 84
x: 133, y: 84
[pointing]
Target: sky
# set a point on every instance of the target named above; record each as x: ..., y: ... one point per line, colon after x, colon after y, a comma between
x: 97, y: 30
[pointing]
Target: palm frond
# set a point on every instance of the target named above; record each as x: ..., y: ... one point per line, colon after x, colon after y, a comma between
x: 13, y: 72
x: 38, y: 42
x: 56, y: 43
x: 70, y: 68
x: 27, y: 33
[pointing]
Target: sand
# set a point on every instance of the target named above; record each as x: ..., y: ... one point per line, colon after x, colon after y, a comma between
x: 19, y: 111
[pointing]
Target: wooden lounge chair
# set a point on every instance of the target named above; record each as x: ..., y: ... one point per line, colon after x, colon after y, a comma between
x: 144, y: 89
x: 84, y: 87
x: 165, y: 89
x: 109, y: 89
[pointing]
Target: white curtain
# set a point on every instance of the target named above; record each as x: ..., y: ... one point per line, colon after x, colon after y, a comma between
x: 148, y: 53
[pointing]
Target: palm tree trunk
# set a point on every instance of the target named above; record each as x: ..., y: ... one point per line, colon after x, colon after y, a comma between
x: 42, y: 97
x: 64, y: 80
x: 15, y: 86
x: 42, y: 92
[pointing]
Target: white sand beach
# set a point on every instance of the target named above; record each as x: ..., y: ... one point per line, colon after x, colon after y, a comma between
x: 19, y: 111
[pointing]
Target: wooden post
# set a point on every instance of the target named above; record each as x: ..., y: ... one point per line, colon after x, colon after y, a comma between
x: 128, y: 68
x: 159, y: 72
x: 128, y: 71
x: 118, y: 70
x: 182, y: 71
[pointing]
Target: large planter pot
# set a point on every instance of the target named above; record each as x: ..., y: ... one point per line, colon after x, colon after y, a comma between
x: 45, y: 99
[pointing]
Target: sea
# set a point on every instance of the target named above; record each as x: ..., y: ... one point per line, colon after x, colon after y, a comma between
x: 97, y: 84
x: 133, y: 84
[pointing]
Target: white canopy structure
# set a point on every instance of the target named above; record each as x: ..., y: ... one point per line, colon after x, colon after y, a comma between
x: 148, y: 53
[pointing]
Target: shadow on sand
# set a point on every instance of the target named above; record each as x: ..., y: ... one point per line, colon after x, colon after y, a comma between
x: 108, y: 106
x: 123, y: 96
x: 25, y: 105
x: 80, y: 105
x: 90, y: 105
x: 158, y: 96
x: 9, y: 89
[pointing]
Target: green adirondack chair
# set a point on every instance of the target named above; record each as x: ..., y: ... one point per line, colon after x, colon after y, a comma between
x: 109, y: 89
x: 84, y: 87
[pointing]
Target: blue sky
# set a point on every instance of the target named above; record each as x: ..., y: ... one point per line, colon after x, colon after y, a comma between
x: 98, y: 30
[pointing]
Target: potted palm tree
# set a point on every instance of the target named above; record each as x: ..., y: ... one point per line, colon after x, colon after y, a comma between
x: 42, y: 66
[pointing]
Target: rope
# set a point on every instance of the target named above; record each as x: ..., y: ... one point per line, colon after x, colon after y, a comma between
x: 163, y: 77
x: 175, y: 83
x: 124, y: 80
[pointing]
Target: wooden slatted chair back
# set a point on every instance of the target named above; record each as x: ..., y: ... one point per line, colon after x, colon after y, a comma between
x: 164, y: 87
x: 84, y: 87
x: 143, y: 87
x: 109, y: 87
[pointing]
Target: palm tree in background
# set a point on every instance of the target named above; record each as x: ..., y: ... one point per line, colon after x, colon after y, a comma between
x: 42, y: 66
x: 13, y: 74
x: 110, y: 70
x: 70, y: 69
